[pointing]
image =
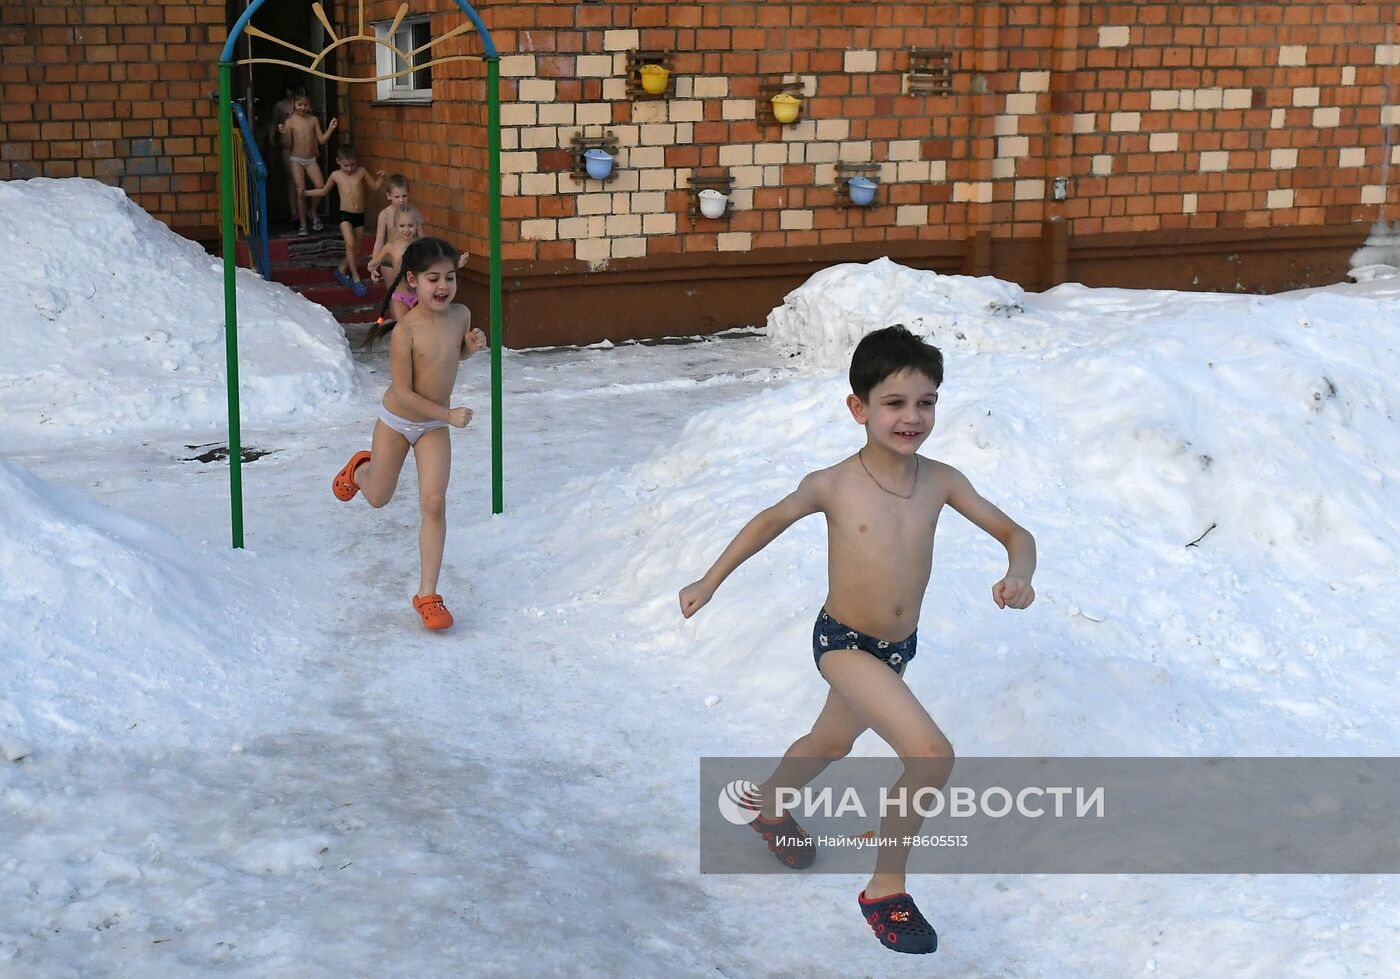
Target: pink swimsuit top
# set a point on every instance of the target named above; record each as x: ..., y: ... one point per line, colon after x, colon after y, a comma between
x: 407, y: 298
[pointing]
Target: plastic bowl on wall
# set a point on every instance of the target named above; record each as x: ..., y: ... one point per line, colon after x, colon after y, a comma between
x: 713, y: 203
x: 599, y: 163
x: 862, y: 190
x: 654, y: 78
x: 786, y: 108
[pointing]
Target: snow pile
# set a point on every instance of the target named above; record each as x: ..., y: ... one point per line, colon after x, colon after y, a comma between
x: 822, y: 320
x: 1379, y: 257
x: 1120, y: 426
x: 113, y: 322
x: 118, y: 633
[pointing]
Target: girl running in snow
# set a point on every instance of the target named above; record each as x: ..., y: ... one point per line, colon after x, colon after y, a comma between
x: 430, y: 342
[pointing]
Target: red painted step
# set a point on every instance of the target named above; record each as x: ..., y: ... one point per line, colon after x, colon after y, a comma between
x: 338, y: 295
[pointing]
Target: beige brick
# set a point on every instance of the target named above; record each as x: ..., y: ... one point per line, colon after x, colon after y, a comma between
x: 903, y: 149
x: 557, y: 114
x: 834, y: 129
x: 627, y: 180
x: 912, y: 171
x: 536, y: 90
x: 911, y: 215
x: 734, y: 241
x: 535, y: 184
x: 1114, y: 37
x: 823, y: 152
x: 1390, y: 115
x: 594, y: 251
x: 1306, y: 96
x: 1188, y: 100
x: 1162, y: 142
x: 539, y: 137
x: 570, y: 228
x: 658, y: 224
x: 1034, y: 81
x: 621, y: 40
x: 857, y: 151
x: 1353, y: 156
x: 518, y: 66
x: 621, y: 204
x: 684, y: 87
x: 1215, y: 160
x: 646, y: 113
x: 1013, y: 146
x: 741, y: 199
x: 1278, y: 118
x: 1021, y: 104
x: 937, y: 170
x: 1004, y: 125
x: 739, y: 155
x: 1165, y: 99
x: 660, y: 179
x: 658, y: 134
x: 765, y: 154
x: 800, y: 131
x: 593, y: 113
x: 687, y: 111
x: 510, y: 139
x: 1293, y: 55
x: 1285, y: 158
x: 518, y: 114
x: 1349, y: 75
x: 1328, y: 117
x: 1101, y: 165
x: 1210, y: 98
x: 623, y: 225
x: 889, y: 172
x: 795, y: 220
x: 1003, y: 168
x: 1238, y: 98
x: 1030, y: 190
x: 797, y: 153
x: 824, y: 173
x: 649, y: 202
x: 645, y: 157
x: 747, y: 176
x: 773, y: 176
x: 594, y: 65
x: 595, y: 203
x: 519, y: 162
x: 1280, y: 198
x: 615, y: 89
x: 685, y: 133
x: 1084, y: 122
x: 711, y: 87
x: 510, y: 185
x: 736, y: 109
x: 977, y: 193
x: 1395, y: 155
x: 1188, y: 203
x: 1388, y: 54
x: 862, y: 61
x: 629, y: 248
x: 539, y: 229
x: 1373, y: 194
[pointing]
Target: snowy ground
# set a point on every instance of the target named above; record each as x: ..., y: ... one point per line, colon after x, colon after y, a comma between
x: 257, y: 764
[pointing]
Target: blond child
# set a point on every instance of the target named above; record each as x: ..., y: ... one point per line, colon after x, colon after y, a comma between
x: 397, y: 192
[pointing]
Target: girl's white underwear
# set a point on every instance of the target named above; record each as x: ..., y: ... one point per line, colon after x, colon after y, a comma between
x: 413, y: 431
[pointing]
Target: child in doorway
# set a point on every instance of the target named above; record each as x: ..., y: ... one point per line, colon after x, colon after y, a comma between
x: 350, y: 179
x: 304, y: 138
x: 281, y: 111
x: 429, y: 343
x: 882, y: 506
x: 397, y: 192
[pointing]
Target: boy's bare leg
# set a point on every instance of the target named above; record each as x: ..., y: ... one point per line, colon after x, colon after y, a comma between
x: 292, y: 196
x: 878, y: 696
x: 832, y: 736
x: 433, y: 454
x: 379, y: 477
x: 299, y: 187
x: 351, y: 237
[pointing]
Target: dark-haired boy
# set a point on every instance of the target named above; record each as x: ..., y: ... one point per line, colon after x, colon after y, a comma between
x: 881, y: 506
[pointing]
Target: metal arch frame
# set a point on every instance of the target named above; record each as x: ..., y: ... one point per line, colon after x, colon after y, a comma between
x: 493, y: 123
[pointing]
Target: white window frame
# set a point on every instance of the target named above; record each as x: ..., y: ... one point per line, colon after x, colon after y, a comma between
x: 400, y: 89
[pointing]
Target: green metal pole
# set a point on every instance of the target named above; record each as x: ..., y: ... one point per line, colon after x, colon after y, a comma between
x: 235, y: 450
x: 493, y: 126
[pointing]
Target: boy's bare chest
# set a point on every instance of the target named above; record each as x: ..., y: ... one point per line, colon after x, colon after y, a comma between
x: 882, y: 523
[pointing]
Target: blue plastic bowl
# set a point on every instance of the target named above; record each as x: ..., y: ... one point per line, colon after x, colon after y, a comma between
x: 862, y: 190
x: 599, y: 163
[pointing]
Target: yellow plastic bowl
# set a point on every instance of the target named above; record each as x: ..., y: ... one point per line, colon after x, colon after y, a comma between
x: 786, y: 107
x: 654, y: 79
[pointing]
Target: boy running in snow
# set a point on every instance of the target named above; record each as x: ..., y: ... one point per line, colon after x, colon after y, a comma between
x: 882, y: 506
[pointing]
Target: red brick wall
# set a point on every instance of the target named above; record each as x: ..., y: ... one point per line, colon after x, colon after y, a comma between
x: 116, y: 91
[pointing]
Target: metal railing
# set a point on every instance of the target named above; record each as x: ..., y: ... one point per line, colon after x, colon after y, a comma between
x: 250, y: 215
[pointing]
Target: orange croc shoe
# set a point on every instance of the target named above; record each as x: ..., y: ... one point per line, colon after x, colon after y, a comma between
x: 344, y: 486
x: 435, y: 614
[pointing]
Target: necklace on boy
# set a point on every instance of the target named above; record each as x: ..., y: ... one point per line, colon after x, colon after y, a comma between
x: 861, y: 457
